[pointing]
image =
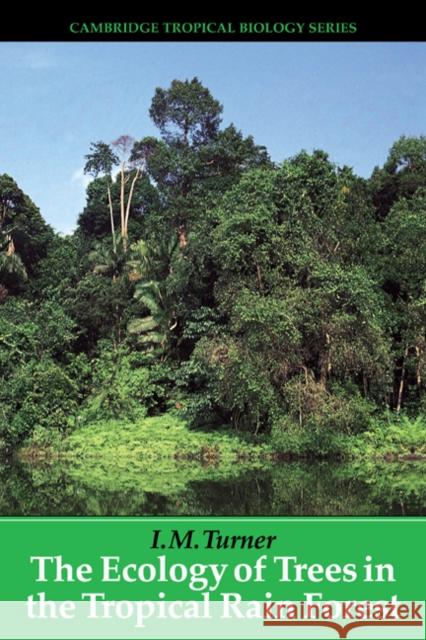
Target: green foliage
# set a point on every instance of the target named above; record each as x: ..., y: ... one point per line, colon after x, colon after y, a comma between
x: 402, y: 174
x: 36, y: 390
x: 405, y: 230
x: 186, y: 112
x: 21, y: 221
x: 318, y: 422
x: 286, y: 302
x: 12, y: 269
x: 394, y: 436
x: 203, y: 321
x: 226, y: 384
x: 107, y: 260
x: 154, y: 331
x: 152, y: 440
x: 195, y: 161
x: 123, y: 387
x: 94, y: 221
x: 38, y: 394
x: 60, y: 270
x: 29, y: 331
x: 101, y: 160
x: 101, y: 307
x: 117, y: 388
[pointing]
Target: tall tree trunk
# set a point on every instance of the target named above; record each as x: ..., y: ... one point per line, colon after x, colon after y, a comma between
x: 325, y: 361
x: 401, y: 382
x: 259, y: 276
x: 111, y: 214
x: 129, y: 202
x: 365, y: 384
x: 418, y: 368
x: 10, y: 247
x: 182, y: 236
x: 122, y: 211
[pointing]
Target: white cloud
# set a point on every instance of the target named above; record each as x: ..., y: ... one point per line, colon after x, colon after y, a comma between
x: 81, y: 178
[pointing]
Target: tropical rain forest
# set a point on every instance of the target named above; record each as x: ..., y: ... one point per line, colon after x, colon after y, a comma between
x: 221, y: 334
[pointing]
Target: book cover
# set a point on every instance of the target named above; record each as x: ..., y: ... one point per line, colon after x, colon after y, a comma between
x: 212, y: 326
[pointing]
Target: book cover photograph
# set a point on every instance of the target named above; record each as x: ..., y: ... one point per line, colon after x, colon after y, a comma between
x: 212, y: 332
x: 222, y: 310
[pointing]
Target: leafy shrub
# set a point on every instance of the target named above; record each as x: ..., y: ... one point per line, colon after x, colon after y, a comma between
x: 319, y: 422
x: 29, y: 331
x: 226, y: 384
x: 39, y: 394
x: 123, y: 387
x: 394, y: 435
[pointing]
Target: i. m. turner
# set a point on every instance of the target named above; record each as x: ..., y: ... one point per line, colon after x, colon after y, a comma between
x: 210, y: 539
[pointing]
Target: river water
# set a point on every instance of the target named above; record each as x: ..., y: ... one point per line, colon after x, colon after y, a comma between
x: 281, y: 489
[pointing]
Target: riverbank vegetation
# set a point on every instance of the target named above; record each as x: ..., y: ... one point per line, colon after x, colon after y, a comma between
x: 214, y: 297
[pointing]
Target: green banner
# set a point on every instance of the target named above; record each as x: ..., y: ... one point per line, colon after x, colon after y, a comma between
x: 341, y: 558
x: 212, y: 577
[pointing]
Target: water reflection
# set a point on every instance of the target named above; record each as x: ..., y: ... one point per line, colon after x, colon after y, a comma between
x: 285, y: 489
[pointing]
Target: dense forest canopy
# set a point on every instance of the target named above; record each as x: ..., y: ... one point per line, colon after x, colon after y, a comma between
x: 282, y: 300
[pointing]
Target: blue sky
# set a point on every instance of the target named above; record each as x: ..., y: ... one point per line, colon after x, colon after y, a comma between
x: 352, y: 100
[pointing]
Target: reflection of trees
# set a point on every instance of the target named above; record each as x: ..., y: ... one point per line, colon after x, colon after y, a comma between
x: 301, y: 489
x: 399, y: 488
x: 321, y: 490
x: 284, y: 489
x: 49, y: 490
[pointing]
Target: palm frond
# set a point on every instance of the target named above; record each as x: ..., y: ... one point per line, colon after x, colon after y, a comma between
x: 142, y: 325
x: 12, y: 265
